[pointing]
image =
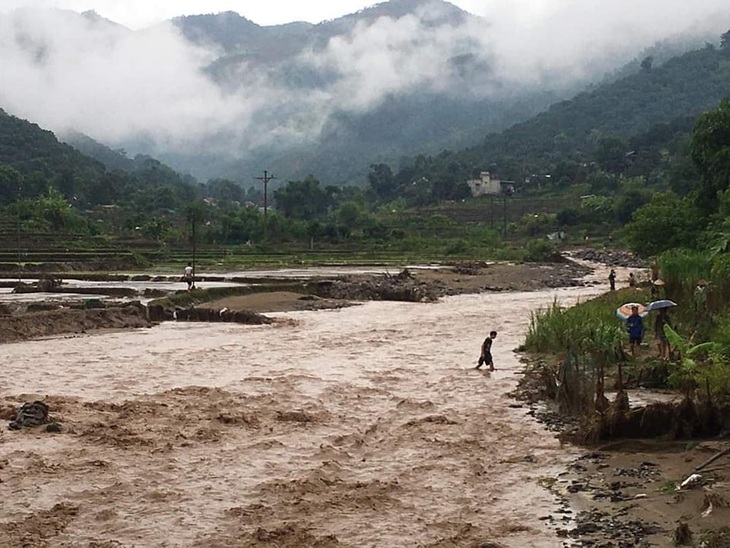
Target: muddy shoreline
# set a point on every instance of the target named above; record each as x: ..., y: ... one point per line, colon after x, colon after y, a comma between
x: 253, y: 296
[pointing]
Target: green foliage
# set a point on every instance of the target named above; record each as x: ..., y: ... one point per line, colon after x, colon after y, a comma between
x: 542, y: 251
x: 304, y: 199
x: 349, y: 214
x: 682, y: 269
x: 224, y: 191
x: 571, y: 216
x: 630, y: 200
x: 538, y: 224
x: 611, y: 154
x: 382, y: 181
x: 664, y: 223
x: 710, y: 150
x: 589, y: 329
x: 52, y: 213
x: 685, y: 372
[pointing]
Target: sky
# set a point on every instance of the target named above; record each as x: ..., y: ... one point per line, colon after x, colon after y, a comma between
x: 150, y: 86
x: 137, y: 14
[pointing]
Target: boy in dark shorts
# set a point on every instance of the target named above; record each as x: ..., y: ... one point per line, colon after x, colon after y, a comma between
x: 486, y: 356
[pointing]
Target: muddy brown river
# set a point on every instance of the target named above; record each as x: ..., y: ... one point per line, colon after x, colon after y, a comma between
x: 361, y: 427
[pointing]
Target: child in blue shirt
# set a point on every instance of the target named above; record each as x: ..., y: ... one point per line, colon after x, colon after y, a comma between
x: 635, y: 327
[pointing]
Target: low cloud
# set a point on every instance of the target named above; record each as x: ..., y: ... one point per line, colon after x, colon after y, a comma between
x: 118, y: 86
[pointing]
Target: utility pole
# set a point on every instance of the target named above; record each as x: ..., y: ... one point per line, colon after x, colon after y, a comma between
x: 194, y: 219
x: 17, y: 203
x: 504, y: 216
x: 266, y: 178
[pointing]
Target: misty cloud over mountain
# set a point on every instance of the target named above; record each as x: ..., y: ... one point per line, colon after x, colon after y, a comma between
x: 217, y: 95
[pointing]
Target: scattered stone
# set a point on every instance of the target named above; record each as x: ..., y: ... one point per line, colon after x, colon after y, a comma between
x: 29, y: 415
x: 611, y: 257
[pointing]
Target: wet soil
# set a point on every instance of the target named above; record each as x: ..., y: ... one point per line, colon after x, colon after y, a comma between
x: 629, y: 494
x: 57, y: 321
x: 414, y: 285
x: 626, y: 491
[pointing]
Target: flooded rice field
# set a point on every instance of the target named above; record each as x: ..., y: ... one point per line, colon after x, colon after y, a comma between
x: 359, y: 427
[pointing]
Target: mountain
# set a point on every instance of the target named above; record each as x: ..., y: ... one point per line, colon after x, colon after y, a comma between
x: 33, y: 160
x: 118, y: 159
x: 684, y: 86
x: 33, y: 151
x: 293, y: 59
x: 628, y: 125
x: 219, y: 96
x: 406, y: 122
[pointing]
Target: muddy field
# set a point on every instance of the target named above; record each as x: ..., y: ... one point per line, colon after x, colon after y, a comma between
x: 38, y: 313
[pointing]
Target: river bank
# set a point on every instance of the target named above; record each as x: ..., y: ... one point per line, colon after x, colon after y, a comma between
x: 77, y: 307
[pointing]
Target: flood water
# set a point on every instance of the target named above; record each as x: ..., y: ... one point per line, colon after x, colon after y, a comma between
x: 361, y: 427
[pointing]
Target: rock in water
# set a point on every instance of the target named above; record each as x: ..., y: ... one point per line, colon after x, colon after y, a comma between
x: 30, y: 414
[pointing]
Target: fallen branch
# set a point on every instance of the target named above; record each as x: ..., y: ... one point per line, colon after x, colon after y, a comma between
x: 712, y: 459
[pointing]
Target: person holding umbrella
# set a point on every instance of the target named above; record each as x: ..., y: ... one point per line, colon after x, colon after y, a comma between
x: 635, y: 327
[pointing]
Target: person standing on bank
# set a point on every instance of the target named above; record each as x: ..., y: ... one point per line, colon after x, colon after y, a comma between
x: 635, y: 327
x: 485, y: 357
x: 612, y: 280
x: 189, y: 277
x: 662, y: 343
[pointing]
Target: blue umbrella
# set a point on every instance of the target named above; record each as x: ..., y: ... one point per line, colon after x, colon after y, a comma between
x: 663, y: 303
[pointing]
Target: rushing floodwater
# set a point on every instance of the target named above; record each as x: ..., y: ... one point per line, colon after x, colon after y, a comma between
x: 368, y: 424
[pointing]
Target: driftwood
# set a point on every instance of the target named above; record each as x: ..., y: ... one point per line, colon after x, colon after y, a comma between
x: 712, y: 459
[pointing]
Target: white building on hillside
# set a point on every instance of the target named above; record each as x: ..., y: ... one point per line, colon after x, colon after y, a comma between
x: 487, y: 185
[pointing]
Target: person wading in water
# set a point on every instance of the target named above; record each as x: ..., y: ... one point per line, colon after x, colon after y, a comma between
x: 486, y: 356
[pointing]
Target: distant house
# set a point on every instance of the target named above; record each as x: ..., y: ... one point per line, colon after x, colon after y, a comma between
x: 487, y: 185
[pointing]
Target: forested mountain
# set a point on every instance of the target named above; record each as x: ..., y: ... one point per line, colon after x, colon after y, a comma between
x: 659, y: 99
x: 33, y: 161
x: 403, y: 122
x: 219, y: 96
x: 118, y: 159
x: 30, y: 149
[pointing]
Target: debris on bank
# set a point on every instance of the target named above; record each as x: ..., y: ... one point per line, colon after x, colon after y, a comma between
x: 610, y: 257
x: 403, y: 286
x: 36, y: 323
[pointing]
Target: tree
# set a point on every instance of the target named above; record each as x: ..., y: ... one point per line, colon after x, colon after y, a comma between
x: 303, y: 199
x: 664, y: 223
x: 611, y: 154
x: 224, y: 190
x: 646, y: 63
x: 348, y: 214
x: 382, y: 181
x: 710, y: 151
x: 10, y: 183
x: 725, y: 40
